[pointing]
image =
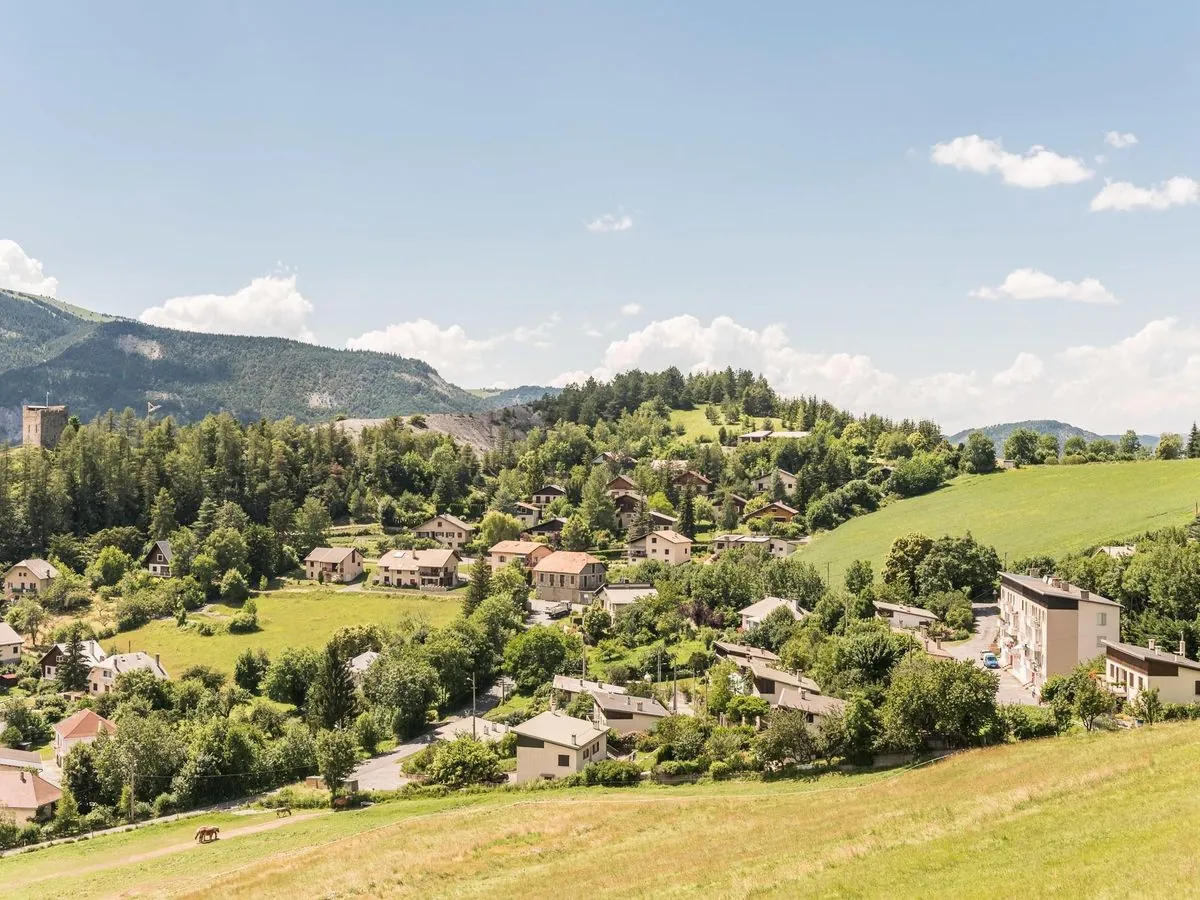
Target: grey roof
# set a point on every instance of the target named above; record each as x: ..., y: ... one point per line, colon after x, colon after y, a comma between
x: 557, y: 728
x: 579, y: 685
x: 482, y: 729
x: 163, y: 547
x: 1057, y: 588
x: 9, y: 635
x: 128, y: 662
x: 745, y: 651
x: 626, y: 592
x: 363, y: 661
x: 768, y: 605
x: 770, y: 673
x: 334, y: 555
x: 646, y: 706
x: 1145, y: 653
x: 907, y: 610
x: 453, y: 520
x: 817, y: 704
x: 38, y: 567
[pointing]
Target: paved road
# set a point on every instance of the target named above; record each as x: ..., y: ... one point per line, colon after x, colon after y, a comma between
x: 987, y: 629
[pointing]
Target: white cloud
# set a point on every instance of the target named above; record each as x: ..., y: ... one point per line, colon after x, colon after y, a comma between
x: 609, y: 222
x: 1146, y: 381
x: 19, y: 272
x: 1121, y: 195
x: 593, y: 332
x: 1030, y: 284
x: 1037, y: 168
x: 269, y: 306
x: 1120, y: 141
x: 1101, y: 159
x: 631, y: 309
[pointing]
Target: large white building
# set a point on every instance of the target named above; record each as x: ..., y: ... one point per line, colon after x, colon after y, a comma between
x: 1049, y: 626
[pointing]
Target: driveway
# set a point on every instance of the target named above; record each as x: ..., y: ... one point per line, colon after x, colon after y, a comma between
x: 987, y: 631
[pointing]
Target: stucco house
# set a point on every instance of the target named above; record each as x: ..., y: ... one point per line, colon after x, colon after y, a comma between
x: 568, y: 577
x: 525, y: 513
x: 775, y: 510
x: 1129, y: 670
x: 743, y: 654
x: 666, y: 546
x: 92, y: 654
x: 816, y: 707
x: 754, y: 613
x: 525, y: 553
x: 80, y: 727
x: 570, y: 687
x: 765, y: 483
x: 157, y: 560
x: 333, y: 565
x: 629, y: 506
x: 449, y: 531
x: 778, y: 547
x: 27, y: 797
x: 10, y: 645
x: 547, y: 494
x: 770, y: 683
x: 901, y: 616
x: 552, y: 744
x: 103, y: 675
x: 427, y: 569
x: 29, y: 576
x: 624, y: 713
x: 615, y: 597
x: 622, y: 486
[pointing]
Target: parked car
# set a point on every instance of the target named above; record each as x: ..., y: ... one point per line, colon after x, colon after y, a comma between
x: 990, y: 661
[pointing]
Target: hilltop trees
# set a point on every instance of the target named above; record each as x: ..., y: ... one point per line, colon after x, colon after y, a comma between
x: 979, y: 456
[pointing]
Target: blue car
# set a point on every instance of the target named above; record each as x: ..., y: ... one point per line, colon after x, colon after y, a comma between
x: 990, y: 661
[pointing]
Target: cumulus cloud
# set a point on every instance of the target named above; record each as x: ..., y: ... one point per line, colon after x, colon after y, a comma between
x: 609, y: 222
x: 631, y: 309
x: 1120, y: 141
x: 1146, y: 381
x: 20, y: 272
x: 1030, y: 284
x: 1037, y: 168
x: 1124, y: 196
x: 270, y: 306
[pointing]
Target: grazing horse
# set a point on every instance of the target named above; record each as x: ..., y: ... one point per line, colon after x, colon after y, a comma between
x: 206, y: 834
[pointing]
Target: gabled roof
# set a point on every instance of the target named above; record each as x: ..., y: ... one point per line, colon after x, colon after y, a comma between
x: 163, y: 547
x: 671, y: 537
x: 25, y: 790
x: 646, y: 706
x: 39, y: 567
x: 417, y: 559
x: 8, y: 635
x: 526, y: 506
x: 778, y: 470
x: 745, y: 651
x: 566, y: 561
x: 25, y: 759
x: 363, y: 661
x: 551, y: 489
x: 92, y: 652
x: 557, y: 728
x: 769, y: 673
x: 515, y: 548
x: 579, y: 685
x: 817, y: 704
x: 453, y: 520
x: 547, y: 525
x: 620, y: 483
x: 1147, y: 655
x: 626, y: 592
x: 83, y: 724
x: 774, y: 504
x: 121, y: 663
x: 693, y: 475
x: 333, y: 555
x: 768, y: 605
x: 915, y: 611
x: 662, y: 517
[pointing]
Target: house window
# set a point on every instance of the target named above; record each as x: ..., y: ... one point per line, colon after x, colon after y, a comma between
x: 1101, y: 619
x: 1198, y: 688
x: 564, y: 760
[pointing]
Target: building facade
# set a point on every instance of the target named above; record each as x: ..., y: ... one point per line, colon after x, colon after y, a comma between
x: 1129, y: 670
x: 567, y: 577
x: 42, y: 426
x: 449, y: 531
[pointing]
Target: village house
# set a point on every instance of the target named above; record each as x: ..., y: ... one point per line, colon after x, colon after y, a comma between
x: 424, y: 569
x: 776, y: 511
x: 449, y: 531
x: 816, y: 707
x: 742, y: 654
x: 525, y: 553
x: 629, y: 506
x: 754, y: 613
x: 552, y: 744
x: 359, y: 665
x: 765, y: 484
x: 693, y: 479
x: 900, y: 616
x: 567, y: 577
x: 739, y: 502
x: 778, y: 547
x: 29, y: 576
x: 103, y: 675
x: 20, y: 760
x: 765, y: 434
x: 666, y: 546
x: 10, y: 645
x: 548, y: 529
x: 525, y: 513
x: 82, y: 727
x: 27, y: 797
x: 623, y: 486
x: 1048, y: 626
x: 1129, y: 670
x: 624, y: 713
x: 609, y: 457
x: 769, y: 683
x: 615, y: 597
x: 157, y: 560
x: 92, y: 654
x: 333, y: 565
x: 547, y: 494
x: 570, y: 688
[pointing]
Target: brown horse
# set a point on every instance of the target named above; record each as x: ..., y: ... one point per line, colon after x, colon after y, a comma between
x: 206, y: 834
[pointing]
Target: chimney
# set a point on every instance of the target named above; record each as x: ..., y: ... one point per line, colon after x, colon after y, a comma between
x: 22, y: 776
x: 1182, y: 647
x: 156, y: 659
x: 1151, y: 646
x: 639, y: 706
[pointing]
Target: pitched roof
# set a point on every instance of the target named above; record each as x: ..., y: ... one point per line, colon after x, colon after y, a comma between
x: 39, y: 567
x: 121, y: 663
x: 646, y: 706
x: 334, y: 555
x: 557, y: 728
x: 768, y: 605
x: 671, y: 537
x: 579, y: 685
x: 1148, y: 655
x: 626, y: 592
x: 22, y: 758
x: 163, y: 547
x: 524, y: 505
x: 551, y: 489
x: 83, y: 724
x: 9, y: 635
x: 745, y: 651
x: 621, y: 480
x: 554, y: 524
x: 92, y: 652
x: 25, y: 790
x: 567, y: 561
x: 774, y: 504
x: 907, y: 610
x: 693, y: 475
x: 515, y: 548
x: 817, y: 704
x: 363, y: 661
x: 761, y: 670
x: 656, y: 516
x: 453, y: 520
x: 417, y: 559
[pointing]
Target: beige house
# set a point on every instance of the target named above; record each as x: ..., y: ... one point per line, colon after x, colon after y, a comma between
x: 615, y: 597
x: 527, y: 553
x: 765, y: 484
x: 333, y: 565
x: 449, y: 531
x: 778, y: 547
x: 754, y: 613
x: 624, y: 713
x: 553, y: 744
x: 157, y: 560
x: 1130, y: 669
x: 816, y: 707
x: 630, y: 505
x: 623, y: 486
x: 775, y: 510
x: 80, y: 727
x: 425, y: 569
x: 568, y: 577
x: 103, y: 676
x: 547, y: 494
x: 1048, y: 626
x: 525, y: 513
x: 10, y: 645
x: 92, y: 654
x: 742, y: 654
x: 28, y: 797
x: 770, y: 683
x: 29, y: 576
x: 570, y: 687
x: 666, y: 546
x: 900, y: 616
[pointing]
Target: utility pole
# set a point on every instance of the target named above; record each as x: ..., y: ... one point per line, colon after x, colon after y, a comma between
x: 659, y: 665
x: 132, y: 792
x: 473, y: 703
x: 674, y: 690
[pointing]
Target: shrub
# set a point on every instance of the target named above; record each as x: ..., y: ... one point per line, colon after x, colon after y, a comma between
x: 164, y: 805
x: 1021, y: 723
x: 610, y: 773
x: 98, y: 819
x: 245, y: 620
x: 464, y: 761
x: 720, y: 769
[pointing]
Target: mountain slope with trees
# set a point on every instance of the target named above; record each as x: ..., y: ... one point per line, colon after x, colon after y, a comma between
x: 1061, y: 430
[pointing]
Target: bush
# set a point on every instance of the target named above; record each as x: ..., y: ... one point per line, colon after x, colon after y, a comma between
x: 245, y: 620
x: 464, y: 761
x: 367, y: 732
x: 234, y: 588
x: 610, y: 773
x: 98, y: 819
x: 1022, y: 723
x: 164, y: 805
x: 674, y: 768
x: 720, y: 769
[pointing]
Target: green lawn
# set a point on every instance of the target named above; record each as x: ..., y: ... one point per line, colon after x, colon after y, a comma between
x: 1086, y: 815
x: 1042, y: 509
x: 698, y: 426
x: 294, y: 617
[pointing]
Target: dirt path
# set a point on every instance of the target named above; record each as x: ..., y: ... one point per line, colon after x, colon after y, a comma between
x: 127, y: 859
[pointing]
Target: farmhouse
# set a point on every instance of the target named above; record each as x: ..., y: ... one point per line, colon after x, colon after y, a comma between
x: 10, y: 644
x: 567, y: 577
x: 27, y: 797
x: 427, y: 569
x: 1130, y: 669
x: 624, y: 713
x: 81, y: 727
x: 666, y: 546
x: 104, y: 674
x: 524, y: 553
x: 92, y: 654
x: 29, y: 576
x: 615, y: 597
x: 1048, y: 626
x: 157, y: 560
x: 900, y: 616
x: 552, y: 745
x: 775, y: 510
x: 333, y: 565
x: 765, y: 484
x: 449, y: 531
x: 547, y: 494
x: 754, y: 613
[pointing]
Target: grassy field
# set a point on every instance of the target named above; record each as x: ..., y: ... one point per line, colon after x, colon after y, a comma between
x: 287, y: 618
x: 1100, y: 815
x: 1044, y: 509
x: 697, y: 425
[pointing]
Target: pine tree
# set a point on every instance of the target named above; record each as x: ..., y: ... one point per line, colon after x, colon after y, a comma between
x: 729, y: 515
x: 73, y: 668
x: 641, y: 520
x: 331, y: 700
x: 687, y: 513
x: 204, y: 518
x: 162, y: 516
x: 480, y: 586
x: 1193, y: 444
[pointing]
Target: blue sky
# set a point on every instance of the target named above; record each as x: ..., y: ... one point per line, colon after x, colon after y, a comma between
x: 810, y: 192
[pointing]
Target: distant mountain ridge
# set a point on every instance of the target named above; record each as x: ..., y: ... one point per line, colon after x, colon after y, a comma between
x: 1061, y: 430
x: 94, y: 363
